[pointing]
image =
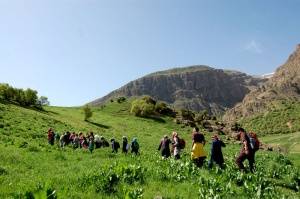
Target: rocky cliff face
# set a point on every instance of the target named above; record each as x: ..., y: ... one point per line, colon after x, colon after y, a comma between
x: 283, y: 85
x: 196, y: 88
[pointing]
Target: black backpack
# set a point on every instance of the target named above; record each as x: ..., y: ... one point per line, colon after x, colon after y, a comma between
x: 117, y: 145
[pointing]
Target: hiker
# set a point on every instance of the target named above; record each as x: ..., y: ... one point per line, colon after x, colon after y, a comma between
x: 76, y: 141
x: 57, y: 137
x: 71, y: 138
x: 67, y: 138
x: 125, y: 145
x: 97, y: 142
x: 104, y: 142
x: 135, y: 146
x: 164, y: 146
x: 176, y: 145
x: 85, y: 143
x: 81, y: 139
x: 246, y: 151
x: 62, y: 140
x: 198, y: 154
x: 91, y: 142
x: 51, y: 136
x: 216, y: 154
x: 114, y: 145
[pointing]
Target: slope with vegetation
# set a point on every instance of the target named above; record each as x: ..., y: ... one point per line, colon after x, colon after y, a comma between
x: 30, y: 168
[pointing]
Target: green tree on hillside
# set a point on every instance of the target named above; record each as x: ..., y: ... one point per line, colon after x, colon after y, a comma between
x: 87, y: 112
x: 142, y: 107
x: 43, y: 101
x: 30, y: 97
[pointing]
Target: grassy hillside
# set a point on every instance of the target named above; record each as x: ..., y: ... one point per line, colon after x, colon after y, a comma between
x: 281, y: 117
x: 30, y: 167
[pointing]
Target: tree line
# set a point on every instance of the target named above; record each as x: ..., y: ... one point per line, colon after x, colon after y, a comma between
x: 27, y: 98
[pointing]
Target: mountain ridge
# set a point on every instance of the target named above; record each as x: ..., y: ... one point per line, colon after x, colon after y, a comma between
x: 283, y: 85
x: 197, y: 87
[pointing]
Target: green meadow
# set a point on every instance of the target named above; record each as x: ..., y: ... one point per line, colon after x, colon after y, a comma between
x: 30, y: 168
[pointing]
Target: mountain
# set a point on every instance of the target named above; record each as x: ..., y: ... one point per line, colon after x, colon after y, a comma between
x: 195, y: 87
x: 284, y: 85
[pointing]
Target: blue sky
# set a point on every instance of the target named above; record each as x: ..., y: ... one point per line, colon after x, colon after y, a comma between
x: 74, y: 51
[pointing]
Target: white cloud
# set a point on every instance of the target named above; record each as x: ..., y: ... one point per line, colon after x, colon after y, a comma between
x: 254, y: 47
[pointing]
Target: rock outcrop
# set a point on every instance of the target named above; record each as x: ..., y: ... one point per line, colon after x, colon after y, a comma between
x: 196, y: 88
x: 283, y: 85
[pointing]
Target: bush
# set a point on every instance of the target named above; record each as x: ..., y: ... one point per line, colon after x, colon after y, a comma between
x: 162, y: 108
x: 121, y: 99
x: 142, y: 108
x: 187, y: 114
x: 87, y: 112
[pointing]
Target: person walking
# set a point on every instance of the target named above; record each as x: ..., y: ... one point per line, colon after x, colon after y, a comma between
x: 246, y: 152
x: 164, y: 147
x: 176, y: 145
x: 216, y: 154
x: 125, y: 145
x: 198, y: 155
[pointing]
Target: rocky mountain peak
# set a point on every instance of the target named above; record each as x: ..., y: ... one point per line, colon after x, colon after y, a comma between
x: 283, y: 85
x: 195, y: 88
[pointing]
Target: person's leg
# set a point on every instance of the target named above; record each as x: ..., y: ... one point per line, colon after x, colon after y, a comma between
x: 210, y: 163
x: 239, y: 161
x: 201, y: 161
x: 250, y: 158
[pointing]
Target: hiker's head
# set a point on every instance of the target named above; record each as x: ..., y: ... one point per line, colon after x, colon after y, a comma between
x: 124, y: 138
x: 134, y: 139
x: 196, y: 129
x: 174, y: 134
x: 112, y: 139
x: 252, y: 134
x: 215, y: 137
x: 241, y: 130
x: 165, y: 137
x: 241, y: 134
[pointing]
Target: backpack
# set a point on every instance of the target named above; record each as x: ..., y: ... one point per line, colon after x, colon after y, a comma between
x: 181, y: 143
x: 135, y: 146
x: 254, y: 143
x: 117, y: 145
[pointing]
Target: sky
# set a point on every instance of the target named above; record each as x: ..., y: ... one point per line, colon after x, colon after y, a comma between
x: 74, y: 51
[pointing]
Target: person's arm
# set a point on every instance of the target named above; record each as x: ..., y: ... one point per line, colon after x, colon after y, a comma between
x: 222, y: 143
x: 176, y: 142
x: 159, y: 147
x: 246, y: 146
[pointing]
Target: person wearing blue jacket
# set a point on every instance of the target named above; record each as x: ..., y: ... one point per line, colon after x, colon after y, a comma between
x: 216, y: 154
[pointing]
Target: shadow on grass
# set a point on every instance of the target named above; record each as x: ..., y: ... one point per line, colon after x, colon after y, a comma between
x: 156, y: 119
x: 98, y: 125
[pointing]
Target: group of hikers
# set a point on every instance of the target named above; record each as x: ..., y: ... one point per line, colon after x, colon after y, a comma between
x: 91, y: 141
x: 168, y: 146
x: 250, y: 144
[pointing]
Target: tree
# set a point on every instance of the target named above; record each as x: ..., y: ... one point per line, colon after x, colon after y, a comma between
x: 30, y: 97
x: 142, y: 108
x: 43, y: 101
x: 87, y: 112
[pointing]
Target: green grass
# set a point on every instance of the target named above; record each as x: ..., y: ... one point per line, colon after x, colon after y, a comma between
x: 281, y: 117
x: 29, y: 166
